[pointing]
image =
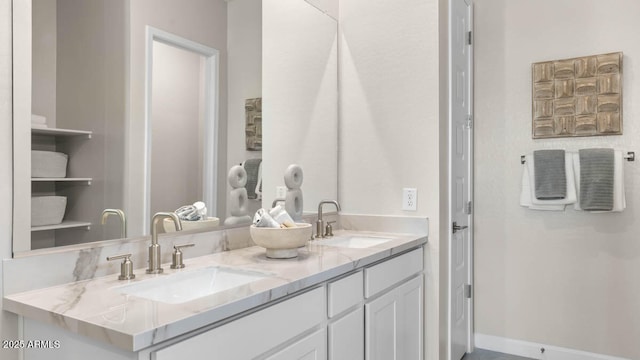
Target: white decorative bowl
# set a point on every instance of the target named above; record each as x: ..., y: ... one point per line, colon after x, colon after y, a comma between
x: 191, y: 225
x: 281, y: 243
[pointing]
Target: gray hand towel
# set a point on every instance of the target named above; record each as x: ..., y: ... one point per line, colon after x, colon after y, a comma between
x: 596, y: 179
x: 549, y: 174
x: 252, y: 167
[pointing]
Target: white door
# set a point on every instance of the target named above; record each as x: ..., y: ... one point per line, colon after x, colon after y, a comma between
x: 394, y: 324
x: 346, y: 337
x: 461, y: 162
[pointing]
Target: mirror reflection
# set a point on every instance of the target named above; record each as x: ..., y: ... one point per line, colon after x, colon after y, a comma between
x: 152, y: 124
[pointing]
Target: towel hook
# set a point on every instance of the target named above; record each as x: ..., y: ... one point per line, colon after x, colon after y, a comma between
x: 522, y: 159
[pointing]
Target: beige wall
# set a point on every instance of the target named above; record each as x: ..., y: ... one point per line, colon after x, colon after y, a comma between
x: 8, y: 321
x: 299, y: 109
x: 329, y: 7
x: 202, y: 21
x: 439, y: 272
x: 244, y: 46
x: 43, y: 99
x: 90, y: 87
x: 567, y: 279
x: 176, y: 122
x: 389, y: 120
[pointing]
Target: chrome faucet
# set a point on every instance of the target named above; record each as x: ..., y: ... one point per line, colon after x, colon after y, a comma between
x: 120, y: 214
x: 154, y: 248
x: 320, y: 222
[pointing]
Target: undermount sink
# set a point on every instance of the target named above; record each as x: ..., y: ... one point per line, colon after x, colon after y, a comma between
x: 190, y: 285
x: 356, y: 242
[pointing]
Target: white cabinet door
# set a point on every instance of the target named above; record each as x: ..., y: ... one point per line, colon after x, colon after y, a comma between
x: 346, y: 337
x: 394, y: 324
x: 313, y: 347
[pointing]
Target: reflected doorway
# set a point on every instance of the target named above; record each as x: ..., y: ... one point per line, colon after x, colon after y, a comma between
x: 177, y: 120
x: 181, y: 124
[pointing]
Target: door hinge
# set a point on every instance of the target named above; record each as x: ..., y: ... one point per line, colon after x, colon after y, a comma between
x: 469, y: 121
x: 467, y: 291
x: 469, y: 207
x: 469, y: 38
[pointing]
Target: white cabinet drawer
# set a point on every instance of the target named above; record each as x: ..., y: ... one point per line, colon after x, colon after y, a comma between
x: 345, y: 293
x: 253, y: 334
x: 382, y: 276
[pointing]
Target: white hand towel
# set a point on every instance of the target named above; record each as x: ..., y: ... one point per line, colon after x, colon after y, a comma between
x: 619, y: 200
x: 526, y: 194
x: 571, y: 184
x: 38, y: 120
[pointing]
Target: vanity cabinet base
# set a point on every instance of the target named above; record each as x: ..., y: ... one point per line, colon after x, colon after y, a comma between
x: 335, y: 320
x: 394, y: 323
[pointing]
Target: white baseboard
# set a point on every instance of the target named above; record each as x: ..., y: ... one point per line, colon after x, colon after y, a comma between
x: 533, y: 350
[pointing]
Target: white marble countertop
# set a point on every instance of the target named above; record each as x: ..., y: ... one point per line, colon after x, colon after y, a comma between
x: 95, y: 309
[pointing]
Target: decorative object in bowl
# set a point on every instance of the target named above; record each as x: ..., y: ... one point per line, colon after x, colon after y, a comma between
x: 191, y: 225
x: 281, y: 243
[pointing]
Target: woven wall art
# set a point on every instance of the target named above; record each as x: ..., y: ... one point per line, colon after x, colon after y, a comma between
x: 253, y: 124
x: 577, y: 97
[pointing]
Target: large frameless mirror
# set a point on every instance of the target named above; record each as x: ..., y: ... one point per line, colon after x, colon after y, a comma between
x: 150, y: 103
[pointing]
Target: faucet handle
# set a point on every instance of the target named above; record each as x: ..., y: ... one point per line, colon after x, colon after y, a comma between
x: 329, y: 229
x: 126, y: 268
x: 177, y: 256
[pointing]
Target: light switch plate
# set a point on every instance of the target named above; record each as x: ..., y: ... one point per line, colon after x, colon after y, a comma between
x: 281, y: 192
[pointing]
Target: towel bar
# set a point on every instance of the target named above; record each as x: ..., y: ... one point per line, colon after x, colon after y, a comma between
x: 631, y: 156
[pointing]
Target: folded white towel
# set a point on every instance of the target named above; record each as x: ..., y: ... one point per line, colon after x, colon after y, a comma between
x: 38, y: 120
x: 526, y: 194
x: 571, y: 184
x: 619, y: 200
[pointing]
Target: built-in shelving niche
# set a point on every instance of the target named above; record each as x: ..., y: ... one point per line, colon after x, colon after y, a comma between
x: 74, y: 186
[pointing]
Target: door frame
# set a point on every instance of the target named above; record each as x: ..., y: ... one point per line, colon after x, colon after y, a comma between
x: 211, y: 107
x: 449, y: 235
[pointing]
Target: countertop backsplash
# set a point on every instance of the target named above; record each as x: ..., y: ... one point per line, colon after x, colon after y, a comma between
x: 50, y: 267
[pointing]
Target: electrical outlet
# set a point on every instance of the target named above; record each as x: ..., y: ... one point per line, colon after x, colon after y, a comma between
x: 409, y: 199
x: 281, y: 192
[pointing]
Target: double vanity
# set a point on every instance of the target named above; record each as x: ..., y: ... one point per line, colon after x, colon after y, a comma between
x: 356, y: 295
